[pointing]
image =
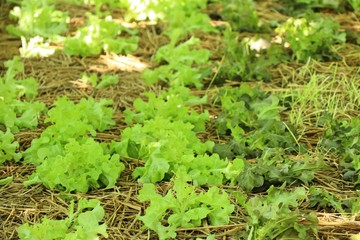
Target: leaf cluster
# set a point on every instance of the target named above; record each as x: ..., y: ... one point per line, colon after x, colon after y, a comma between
x: 322, y: 198
x: 252, y: 118
x: 181, y: 17
x: 311, y: 37
x: 8, y: 147
x: 16, y: 113
x: 69, y: 121
x: 276, y: 215
x: 241, y: 14
x: 38, y: 18
x: 243, y: 62
x: 183, y: 207
x: 174, y: 104
x: 211, y: 169
x: 99, y: 35
x: 274, y: 167
x: 66, y: 158
x: 160, y: 143
x: 105, y: 81
x: 342, y: 137
x: 82, y: 224
x: 80, y: 167
x: 298, y: 7
x: 187, y: 19
x: 179, y: 69
x: 100, y: 4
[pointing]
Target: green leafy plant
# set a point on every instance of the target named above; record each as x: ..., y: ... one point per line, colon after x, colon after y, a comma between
x: 160, y: 143
x: 15, y: 113
x: 252, y: 118
x: 69, y: 121
x: 180, y: 17
x: 241, y: 14
x: 275, y: 168
x: 174, y: 104
x: 179, y: 70
x: 182, y: 22
x: 299, y: 7
x: 322, y: 198
x: 311, y: 38
x: 355, y: 4
x: 99, y: 35
x: 183, y: 207
x: 80, y: 167
x: 277, y: 216
x: 244, y: 62
x: 342, y: 137
x: 82, y: 224
x: 211, y: 170
x: 98, y: 4
x: 6, y: 180
x: 106, y: 80
x: 8, y: 147
x: 38, y: 18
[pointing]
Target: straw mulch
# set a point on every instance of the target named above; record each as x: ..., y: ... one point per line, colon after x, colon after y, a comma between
x: 58, y: 76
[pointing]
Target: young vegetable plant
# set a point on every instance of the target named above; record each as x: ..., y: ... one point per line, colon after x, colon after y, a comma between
x: 69, y: 121
x: 244, y: 62
x: 342, y: 137
x: 160, y: 143
x: 183, y: 207
x: 38, y: 18
x: 241, y: 14
x: 299, y: 7
x: 186, y: 20
x: 311, y: 38
x: 82, y: 224
x: 8, y: 147
x: 15, y: 113
x: 320, y: 197
x: 174, y: 104
x: 98, y: 4
x: 277, y: 215
x: 252, y: 118
x: 106, y: 80
x: 355, y: 4
x: 80, y: 167
x: 180, y: 60
x: 275, y: 168
x: 99, y: 35
x: 181, y: 17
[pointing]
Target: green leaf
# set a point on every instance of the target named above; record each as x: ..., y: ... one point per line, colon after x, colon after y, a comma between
x: 311, y: 38
x: 182, y: 206
x: 38, y: 19
x: 82, y: 166
x: 78, y: 225
x: 97, y: 36
x: 70, y: 121
x: 7, y: 180
x: 277, y: 215
x: 160, y: 143
x: 47, y: 229
x: 17, y: 114
x: 174, y: 104
x: 107, y: 80
x: 8, y: 147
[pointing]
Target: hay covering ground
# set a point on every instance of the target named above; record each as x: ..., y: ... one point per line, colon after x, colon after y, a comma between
x: 58, y: 76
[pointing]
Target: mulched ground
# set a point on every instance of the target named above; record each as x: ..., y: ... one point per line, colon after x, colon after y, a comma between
x: 58, y: 76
